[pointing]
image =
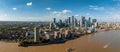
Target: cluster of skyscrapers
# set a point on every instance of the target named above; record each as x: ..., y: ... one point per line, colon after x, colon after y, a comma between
x: 74, y: 22
x: 70, y: 23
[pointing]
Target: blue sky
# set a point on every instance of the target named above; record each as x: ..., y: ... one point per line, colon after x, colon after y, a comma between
x: 46, y: 10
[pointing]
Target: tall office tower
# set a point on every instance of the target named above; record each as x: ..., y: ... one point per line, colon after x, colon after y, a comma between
x: 94, y: 21
x: 50, y: 25
x: 66, y: 21
x: 69, y: 21
x: 86, y: 24
x: 79, y: 22
x: 36, y: 34
x: 54, y: 20
x: 60, y: 21
x: 89, y: 21
x: 73, y: 20
x: 82, y: 21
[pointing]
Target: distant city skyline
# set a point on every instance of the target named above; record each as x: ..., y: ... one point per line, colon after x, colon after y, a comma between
x: 46, y: 10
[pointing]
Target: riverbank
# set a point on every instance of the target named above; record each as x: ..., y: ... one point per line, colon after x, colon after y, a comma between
x: 32, y: 43
x: 28, y: 43
x: 82, y: 44
x: 88, y: 43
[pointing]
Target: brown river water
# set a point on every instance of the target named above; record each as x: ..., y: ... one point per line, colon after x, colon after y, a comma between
x: 108, y: 41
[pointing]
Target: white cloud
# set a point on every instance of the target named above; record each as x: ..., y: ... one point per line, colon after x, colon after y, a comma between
x: 116, y: 0
x: 77, y: 15
x: 57, y: 13
x: 113, y: 14
x: 66, y: 11
x: 96, y: 7
x: 29, y: 4
x: 48, y: 8
x: 88, y: 14
x: 5, y: 15
x: 14, y: 8
x: 61, y: 12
